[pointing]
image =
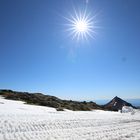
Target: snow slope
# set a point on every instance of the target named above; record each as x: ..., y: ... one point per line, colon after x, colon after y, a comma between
x: 19, y: 121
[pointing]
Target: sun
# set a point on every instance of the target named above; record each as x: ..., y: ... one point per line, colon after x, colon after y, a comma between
x: 81, y: 25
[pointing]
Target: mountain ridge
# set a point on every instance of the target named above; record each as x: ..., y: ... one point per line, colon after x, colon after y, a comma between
x: 48, y: 100
x: 60, y: 104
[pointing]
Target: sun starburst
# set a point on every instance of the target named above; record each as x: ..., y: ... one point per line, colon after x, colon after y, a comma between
x: 81, y: 25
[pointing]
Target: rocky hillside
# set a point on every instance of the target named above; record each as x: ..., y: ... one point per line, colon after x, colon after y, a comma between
x: 116, y: 104
x: 47, y: 100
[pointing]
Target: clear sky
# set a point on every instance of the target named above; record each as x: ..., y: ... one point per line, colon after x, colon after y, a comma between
x: 38, y: 55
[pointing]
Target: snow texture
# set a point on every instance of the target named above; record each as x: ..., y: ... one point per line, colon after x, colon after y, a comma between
x: 128, y: 109
x: 19, y: 121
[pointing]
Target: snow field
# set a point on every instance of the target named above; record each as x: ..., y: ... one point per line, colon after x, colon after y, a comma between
x: 20, y: 121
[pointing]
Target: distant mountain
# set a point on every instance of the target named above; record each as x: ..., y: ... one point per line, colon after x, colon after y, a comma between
x: 47, y: 100
x: 116, y: 104
x: 134, y: 102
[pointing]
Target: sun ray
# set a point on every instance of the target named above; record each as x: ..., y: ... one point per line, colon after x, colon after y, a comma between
x: 81, y: 25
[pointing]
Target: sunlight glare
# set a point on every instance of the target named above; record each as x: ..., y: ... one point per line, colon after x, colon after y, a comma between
x: 81, y: 25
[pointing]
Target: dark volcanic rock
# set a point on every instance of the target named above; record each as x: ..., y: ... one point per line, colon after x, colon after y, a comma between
x: 116, y: 104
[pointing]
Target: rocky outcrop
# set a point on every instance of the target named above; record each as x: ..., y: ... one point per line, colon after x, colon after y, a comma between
x: 116, y: 104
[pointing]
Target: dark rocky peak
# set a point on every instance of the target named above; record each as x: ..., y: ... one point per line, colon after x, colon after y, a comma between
x: 116, y: 104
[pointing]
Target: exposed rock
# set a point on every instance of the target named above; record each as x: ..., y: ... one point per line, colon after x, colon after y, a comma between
x: 116, y: 104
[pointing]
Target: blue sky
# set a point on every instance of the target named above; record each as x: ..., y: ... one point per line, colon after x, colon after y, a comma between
x: 37, y: 55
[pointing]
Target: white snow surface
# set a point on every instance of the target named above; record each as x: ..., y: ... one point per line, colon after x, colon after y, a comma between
x: 19, y: 121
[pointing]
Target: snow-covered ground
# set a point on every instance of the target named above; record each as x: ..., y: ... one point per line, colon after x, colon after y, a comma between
x: 19, y: 121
